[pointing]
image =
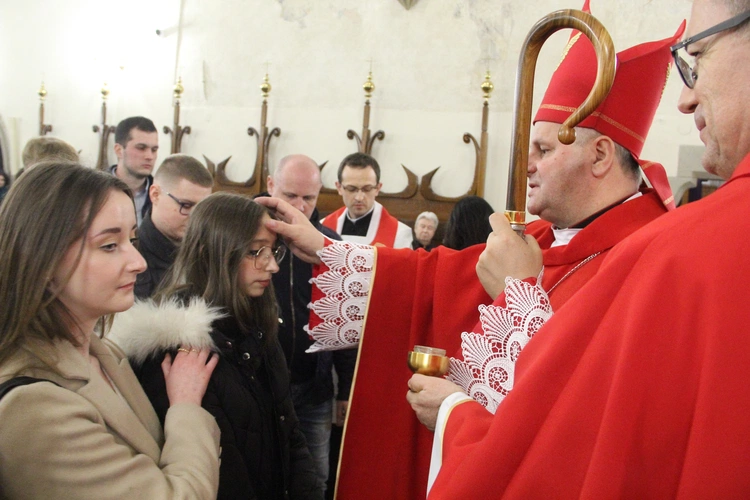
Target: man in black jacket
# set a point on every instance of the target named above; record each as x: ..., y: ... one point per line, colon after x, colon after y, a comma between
x: 136, y: 147
x: 297, y: 181
x: 179, y: 184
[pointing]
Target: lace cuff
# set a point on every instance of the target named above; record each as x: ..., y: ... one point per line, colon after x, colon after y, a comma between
x: 345, y: 286
x: 487, y: 371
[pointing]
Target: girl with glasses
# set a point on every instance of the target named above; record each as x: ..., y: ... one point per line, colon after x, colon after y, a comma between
x: 219, y: 294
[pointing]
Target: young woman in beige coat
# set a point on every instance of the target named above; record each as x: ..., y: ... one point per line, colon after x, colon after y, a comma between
x: 87, y: 430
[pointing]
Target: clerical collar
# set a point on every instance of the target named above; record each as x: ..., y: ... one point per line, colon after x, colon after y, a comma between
x: 358, y: 226
x: 564, y: 235
x: 358, y: 218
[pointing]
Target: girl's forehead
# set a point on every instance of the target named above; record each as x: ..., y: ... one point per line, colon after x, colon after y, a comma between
x: 264, y: 234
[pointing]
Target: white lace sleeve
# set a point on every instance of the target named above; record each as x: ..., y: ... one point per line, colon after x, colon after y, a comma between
x: 345, y: 286
x: 487, y: 371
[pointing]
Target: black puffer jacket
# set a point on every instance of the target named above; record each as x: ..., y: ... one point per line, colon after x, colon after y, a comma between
x: 264, y: 455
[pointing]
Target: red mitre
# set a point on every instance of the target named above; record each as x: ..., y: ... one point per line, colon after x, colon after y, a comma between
x: 628, y: 110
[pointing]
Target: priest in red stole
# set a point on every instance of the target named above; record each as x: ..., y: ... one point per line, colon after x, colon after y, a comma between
x: 362, y: 219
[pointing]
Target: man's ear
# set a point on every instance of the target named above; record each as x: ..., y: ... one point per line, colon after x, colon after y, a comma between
x: 339, y: 188
x: 269, y: 184
x: 154, y: 192
x: 604, y: 151
x: 118, y: 150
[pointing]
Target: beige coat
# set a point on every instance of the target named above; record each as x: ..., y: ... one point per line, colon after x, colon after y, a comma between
x: 83, y: 441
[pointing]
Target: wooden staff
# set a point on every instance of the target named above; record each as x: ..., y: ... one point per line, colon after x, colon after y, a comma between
x: 515, y: 208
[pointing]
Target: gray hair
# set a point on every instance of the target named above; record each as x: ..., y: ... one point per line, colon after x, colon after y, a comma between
x: 429, y: 216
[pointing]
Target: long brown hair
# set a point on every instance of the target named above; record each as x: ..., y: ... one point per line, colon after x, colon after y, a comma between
x: 217, y: 239
x: 46, y: 211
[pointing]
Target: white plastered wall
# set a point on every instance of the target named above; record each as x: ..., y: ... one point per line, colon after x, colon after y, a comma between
x: 427, y: 65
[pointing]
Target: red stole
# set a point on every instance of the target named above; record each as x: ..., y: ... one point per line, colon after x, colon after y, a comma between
x: 386, y: 229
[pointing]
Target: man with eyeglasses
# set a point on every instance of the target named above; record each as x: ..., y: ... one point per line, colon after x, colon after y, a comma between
x: 637, y: 388
x: 179, y: 184
x: 362, y: 219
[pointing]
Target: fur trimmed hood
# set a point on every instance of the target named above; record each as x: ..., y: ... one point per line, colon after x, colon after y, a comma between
x: 146, y: 328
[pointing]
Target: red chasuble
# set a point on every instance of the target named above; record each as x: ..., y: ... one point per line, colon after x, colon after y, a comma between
x: 638, y: 386
x: 430, y: 299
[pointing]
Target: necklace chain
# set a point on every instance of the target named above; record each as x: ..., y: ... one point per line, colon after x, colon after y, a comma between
x: 580, y: 265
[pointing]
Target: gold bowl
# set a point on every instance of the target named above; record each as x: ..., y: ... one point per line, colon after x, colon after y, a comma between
x: 434, y: 365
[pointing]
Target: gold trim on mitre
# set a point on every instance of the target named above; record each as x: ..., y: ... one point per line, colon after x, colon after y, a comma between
x: 669, y: 67
x: 596, y: 114
x: 567, y: 48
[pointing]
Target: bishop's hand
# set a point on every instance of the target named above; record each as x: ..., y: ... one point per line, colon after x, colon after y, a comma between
x: 426, y: 394
x: 507, y: 255
x: 299, y: 234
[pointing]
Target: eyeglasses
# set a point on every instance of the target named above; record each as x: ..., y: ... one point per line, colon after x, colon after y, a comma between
x: 364, y: 189
x: 262, y: 256
x: 185, y: 206
x: 685, y: 62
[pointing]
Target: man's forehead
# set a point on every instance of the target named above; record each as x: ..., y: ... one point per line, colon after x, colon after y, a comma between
x: 302, y: 185
x: 358, y: 174
x: 299, y: 193
x: 705, y: 14
x: 138, y: 136
x: 543, y: 130
x: 183, y: 188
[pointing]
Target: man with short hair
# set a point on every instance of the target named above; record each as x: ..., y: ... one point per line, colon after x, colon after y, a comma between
x: 41, y: 149
x: 424, y: 231
x: 136, y: 147
x: 296, y: 180
x: 362, y: 219
x: 637, y: 388
x: 180, y: 183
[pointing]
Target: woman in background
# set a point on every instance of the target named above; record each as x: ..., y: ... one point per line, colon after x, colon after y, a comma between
x: 469, y: 223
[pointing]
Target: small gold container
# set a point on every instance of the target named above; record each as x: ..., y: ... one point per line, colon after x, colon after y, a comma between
x: 428, y: 361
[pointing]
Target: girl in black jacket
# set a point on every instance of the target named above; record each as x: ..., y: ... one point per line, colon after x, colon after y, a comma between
x: 219, y: 293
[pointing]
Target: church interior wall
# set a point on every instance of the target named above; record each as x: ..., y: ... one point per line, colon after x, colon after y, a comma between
x: 427, y: 64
